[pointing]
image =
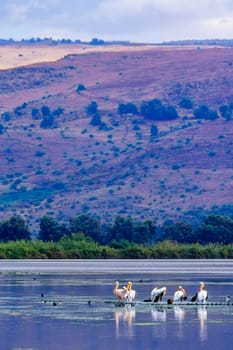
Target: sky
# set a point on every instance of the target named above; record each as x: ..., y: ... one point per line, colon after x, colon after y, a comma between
x: 144, y: 21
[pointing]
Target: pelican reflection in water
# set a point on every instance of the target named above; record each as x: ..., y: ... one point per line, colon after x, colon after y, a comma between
x: 158, y: 315
x: 179, y: 316
x: 202, y: 316
x: 124, y: 316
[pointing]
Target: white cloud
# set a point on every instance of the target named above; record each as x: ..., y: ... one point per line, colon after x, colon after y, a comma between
x: 135, y: 20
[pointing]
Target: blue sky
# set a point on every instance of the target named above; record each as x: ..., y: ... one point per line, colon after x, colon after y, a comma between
x: 135, y: 20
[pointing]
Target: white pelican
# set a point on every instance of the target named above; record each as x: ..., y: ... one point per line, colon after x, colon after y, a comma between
x: 158, y: 293
x: 120, y: 293
x: 180, y: 294
x: 202, y: 294
x: 130, y: 293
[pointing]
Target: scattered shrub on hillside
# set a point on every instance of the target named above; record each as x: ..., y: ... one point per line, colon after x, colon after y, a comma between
x: 58, y: 111
x: 92, y: 108
x: 45, y: 111
x: 212, y: 154
x: 35, y: 113
x: 2, y: 129
x: 80, y: 87
x: 39, y: 153
x: 96, y: 119
x: 154, y: 131
x: 6, y: 116
x: 47, y: 122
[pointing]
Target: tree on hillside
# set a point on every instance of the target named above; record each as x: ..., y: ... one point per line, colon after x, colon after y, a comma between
x: 6, y: 116
x: 203, y: 112
x: 50, y: 230
x: 92, y: 108
x: 127, y: 108
x: 152, y: 109
x: 14, y: 229
x: 186, y: 103
x: 58, y: 111
x: 45, y: 111
x: 47, y: 122
x: 226, y: 112
x: 80, y: 87
x: 1, y: 129
x: 155, y: 110
x: 96, y: 119
x: 35, y: 113
x: 154, y: 131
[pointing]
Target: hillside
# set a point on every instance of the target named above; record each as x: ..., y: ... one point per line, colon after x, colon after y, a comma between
x: 73, y: 166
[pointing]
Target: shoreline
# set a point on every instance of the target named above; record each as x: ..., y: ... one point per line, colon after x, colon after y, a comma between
x: 121, y: 266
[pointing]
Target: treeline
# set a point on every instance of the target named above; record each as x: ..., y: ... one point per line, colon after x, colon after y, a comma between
x: 214, y: 229
x: 85, y: 237
x: 122, y: 229
x: 51, y: 41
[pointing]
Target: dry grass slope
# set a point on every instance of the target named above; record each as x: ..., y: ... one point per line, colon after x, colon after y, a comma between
x: 117, y: 170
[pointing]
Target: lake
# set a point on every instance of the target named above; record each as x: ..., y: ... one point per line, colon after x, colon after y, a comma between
x: 52, y: 305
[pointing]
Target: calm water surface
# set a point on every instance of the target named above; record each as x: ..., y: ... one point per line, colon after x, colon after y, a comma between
x: 50, y: 311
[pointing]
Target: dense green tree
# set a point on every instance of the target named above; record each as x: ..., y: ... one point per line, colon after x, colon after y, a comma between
x: 122, y: 229
x: 50, y: 230
x: 13, y: 229
x: 86, y: 224
x: 215, y: 229
x: 179, y: 231
x: 144, y: 232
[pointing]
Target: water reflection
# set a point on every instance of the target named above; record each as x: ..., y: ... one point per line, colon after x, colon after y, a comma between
x: 202, y: 316
x: 124, y: 316
x: 125, y: 319
x: 179, y: 316
x: 159, y: 315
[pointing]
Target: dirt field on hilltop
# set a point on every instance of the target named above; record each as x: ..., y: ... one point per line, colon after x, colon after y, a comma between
x: 12, y: 56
